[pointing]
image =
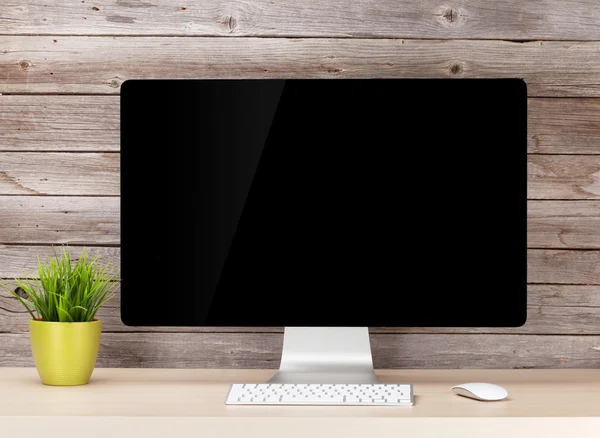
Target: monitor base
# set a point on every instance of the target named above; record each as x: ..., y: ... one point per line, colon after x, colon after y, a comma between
x: 326, y: 355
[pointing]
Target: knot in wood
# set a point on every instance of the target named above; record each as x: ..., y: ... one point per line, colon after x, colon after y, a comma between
x: 456, y: 68
x: 230, y: 23
x: 450, y: 14
x: 20, y: 292
x: 451, y: 17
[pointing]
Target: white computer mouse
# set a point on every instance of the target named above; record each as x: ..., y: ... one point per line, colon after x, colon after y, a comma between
x: 481, y: 391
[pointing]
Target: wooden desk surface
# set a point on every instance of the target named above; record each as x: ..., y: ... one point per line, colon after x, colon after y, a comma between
x: 158, y: 401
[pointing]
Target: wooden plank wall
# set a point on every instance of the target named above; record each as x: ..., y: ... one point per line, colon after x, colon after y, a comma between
x: 61, y: 67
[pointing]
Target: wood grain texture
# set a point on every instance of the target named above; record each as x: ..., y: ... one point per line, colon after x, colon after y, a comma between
x: 563, y: 267
x: 552, y: 295
x: 56, y: 219
x: 563, y: 126
x: 509, y: 19
x: 21, y: 260
x: 563, y: 177
x: 59, y: 123
x: 563, y: 224
x: 46, y: 64
x: 263, y: 350
x: 96, y: 221
x: 59, y: 173
x: 566, y: 310
x: 91, y: 124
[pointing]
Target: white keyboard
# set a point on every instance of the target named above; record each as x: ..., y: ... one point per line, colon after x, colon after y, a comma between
x: 320, y: 394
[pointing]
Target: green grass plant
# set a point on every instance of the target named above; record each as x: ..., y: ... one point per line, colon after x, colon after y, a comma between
x: 67, y: 290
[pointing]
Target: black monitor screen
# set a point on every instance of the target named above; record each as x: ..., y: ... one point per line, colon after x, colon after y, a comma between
x: 324, y: 202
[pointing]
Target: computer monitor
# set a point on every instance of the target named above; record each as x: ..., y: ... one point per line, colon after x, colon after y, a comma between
x: 324, y: 206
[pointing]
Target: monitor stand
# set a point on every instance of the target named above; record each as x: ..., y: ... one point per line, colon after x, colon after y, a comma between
x: 326, y: 355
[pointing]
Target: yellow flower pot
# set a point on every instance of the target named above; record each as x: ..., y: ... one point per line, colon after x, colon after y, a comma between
x: 65, y: 352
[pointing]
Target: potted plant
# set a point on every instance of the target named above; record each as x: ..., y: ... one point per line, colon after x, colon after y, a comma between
x: 62, y: 302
